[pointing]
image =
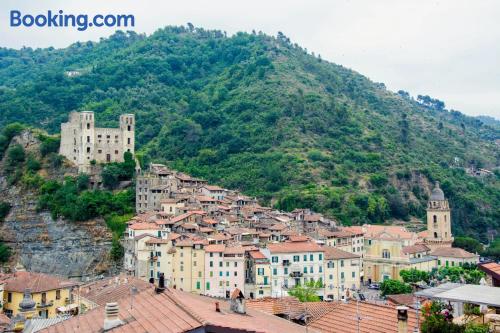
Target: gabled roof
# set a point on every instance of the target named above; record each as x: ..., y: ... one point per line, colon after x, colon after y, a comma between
x: 294, y: 247
x: 175, y: 311
x: 144, y: 226
x: 491, y: 268
x: 36, y: 282
x: 111, y: 289
x: 333, y: 253
x: 453, y: 252
x: 417, y: 248
x: 373, y: 319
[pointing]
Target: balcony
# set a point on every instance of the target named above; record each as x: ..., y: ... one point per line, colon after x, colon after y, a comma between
x: 44, y: 304
x: 286, y: 262
x: 296, y: 274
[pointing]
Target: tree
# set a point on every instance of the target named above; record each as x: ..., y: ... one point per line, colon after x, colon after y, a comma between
x: 414, y: 275
x: 308, y: 292
x: 4, y: 252
x: 117, y: 250
x: 393, y: 287
x: 15, y: 157
x: 469, y: 244
x: 4, y: 209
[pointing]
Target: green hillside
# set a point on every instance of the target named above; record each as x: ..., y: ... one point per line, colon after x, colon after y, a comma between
x: 260, y: 114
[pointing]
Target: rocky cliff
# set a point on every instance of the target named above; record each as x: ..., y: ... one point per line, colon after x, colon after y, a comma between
x: 42, y: 244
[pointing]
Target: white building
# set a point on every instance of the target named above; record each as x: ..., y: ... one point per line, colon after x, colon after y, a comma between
x: 295, y: 263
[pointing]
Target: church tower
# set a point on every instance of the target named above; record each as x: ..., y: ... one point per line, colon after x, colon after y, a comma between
x: 438, y: 220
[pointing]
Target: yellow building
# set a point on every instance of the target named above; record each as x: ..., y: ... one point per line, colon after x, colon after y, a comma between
x: 188, y: 266
x: 390, y: 249
x: 257, y: 275
x: 48, y: 292
x: 342, y: 273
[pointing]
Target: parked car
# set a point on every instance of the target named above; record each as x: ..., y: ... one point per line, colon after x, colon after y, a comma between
x: 375, y: 286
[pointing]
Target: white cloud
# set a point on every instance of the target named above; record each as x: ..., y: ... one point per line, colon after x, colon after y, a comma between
x: 447, y: 49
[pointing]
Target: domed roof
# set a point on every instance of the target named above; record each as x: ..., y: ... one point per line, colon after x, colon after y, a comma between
x: 27, y: 303
x: 437, y: 193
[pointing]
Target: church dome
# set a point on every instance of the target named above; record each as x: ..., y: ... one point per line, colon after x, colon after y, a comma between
x: 437, y: 193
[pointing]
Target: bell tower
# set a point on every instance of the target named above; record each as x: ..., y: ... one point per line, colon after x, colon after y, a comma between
x: 438, y: 219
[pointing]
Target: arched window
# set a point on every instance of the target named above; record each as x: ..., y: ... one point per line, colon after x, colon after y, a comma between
x: 386, y: 254
x: 434, y: 218
x: 435, y: 235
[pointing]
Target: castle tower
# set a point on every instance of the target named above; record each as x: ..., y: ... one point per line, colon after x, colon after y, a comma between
x: 438, y: 220
x: 87, y: 137
x: 127, y: 127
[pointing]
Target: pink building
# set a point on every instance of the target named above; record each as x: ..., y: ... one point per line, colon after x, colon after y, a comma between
x: 224, y: 269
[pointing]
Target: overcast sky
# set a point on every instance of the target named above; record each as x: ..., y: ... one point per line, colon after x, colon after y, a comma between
x: 449, y: 50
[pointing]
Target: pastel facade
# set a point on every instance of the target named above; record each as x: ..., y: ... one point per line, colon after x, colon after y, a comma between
x: 294, y: 263
x: 257, y: 275
x: 342, y: 273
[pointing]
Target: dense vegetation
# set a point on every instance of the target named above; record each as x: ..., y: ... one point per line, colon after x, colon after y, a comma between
x: 262, y: 115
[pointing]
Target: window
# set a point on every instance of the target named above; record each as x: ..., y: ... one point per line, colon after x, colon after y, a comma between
x: 88, y: 150
x: 58, y: 294
x: 274, y: 259
x: 9, y: 297
x: 116, y: 152
x: 342, y: 275
x: 321, y: 269
x: 353, y: 274
x: 369, y: 242
x: 128, y: 140
x: 311, y: 269
x: 211, y: 274
x: 198, y: 285
x: 305, y: 257
x: 386, y: 254
x: 305, y: 269
x: 88, y: 138
x: 235, y: 264
x: 434, y: 219
x: 88, y: 125
x: 296, y: 258
x: 285, y: 270
x: 235, y: 273
x: 331, y: 276
x: 211, y: 253
x: 321, y: 256
x: 227, y: 263
x: 331, y: 264
x: 311, y: 257
x: 341, y: 263
x: 260, y: 271
x: 211, y: 264
x: 275, y: 271
x: 220, y: 273
x: 99, y: 151
x: 208, y: 286
x: 227, y: 273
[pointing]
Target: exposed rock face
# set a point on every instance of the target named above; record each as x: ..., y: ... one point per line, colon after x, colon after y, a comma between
x: 41, y: 244
x: 70, y: 249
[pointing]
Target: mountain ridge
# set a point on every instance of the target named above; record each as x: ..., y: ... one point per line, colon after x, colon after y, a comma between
x: 260, y: 114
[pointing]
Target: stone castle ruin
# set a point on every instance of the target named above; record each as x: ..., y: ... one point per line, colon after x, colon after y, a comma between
x: 82, y: 142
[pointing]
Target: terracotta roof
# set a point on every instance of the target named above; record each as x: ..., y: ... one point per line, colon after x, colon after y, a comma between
x: 215, y: 248
x: 277, y: 227
x: 36, y: 282
x: 294, y: 247
x: 312, y: 218
x: 333, y: 253
x: 299, y: 238
x: 234, y: 250
x: 175, y: 311
x: 257, y: 255
x: 452, y: 252
x: 219, y: 237
x: 402, y: 299
x: 173, y: 236
x: 374, y: 319
x: 112, y: 289
x: 144, y: 226
x: 417, y: 248
x: 213, y: 188
x: 387, y: 231
x: 490, y: 268
x: 358, y: 230
x: 209, y: 221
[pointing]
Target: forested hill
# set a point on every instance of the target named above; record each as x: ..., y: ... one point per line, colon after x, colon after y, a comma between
x: 260, y: 114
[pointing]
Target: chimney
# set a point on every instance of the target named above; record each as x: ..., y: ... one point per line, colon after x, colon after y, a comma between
x: 161, y: 284
x: 402, y: 319
x: 111, y: 319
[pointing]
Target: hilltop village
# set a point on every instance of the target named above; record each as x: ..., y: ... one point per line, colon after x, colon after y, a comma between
x: 202, y: 258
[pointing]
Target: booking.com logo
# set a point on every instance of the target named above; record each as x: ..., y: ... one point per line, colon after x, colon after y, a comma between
x: 59, y: 19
